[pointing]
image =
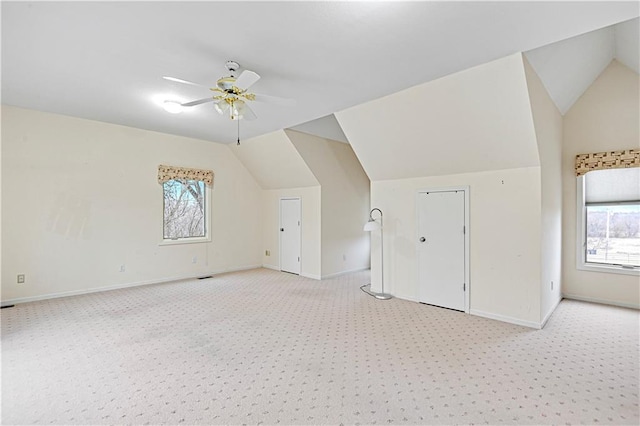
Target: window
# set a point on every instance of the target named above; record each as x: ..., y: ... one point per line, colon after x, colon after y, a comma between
x: 609, y: 220
x: 185, y: 210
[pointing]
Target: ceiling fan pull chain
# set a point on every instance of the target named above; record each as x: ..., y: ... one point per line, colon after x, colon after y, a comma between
x: 238, y: 120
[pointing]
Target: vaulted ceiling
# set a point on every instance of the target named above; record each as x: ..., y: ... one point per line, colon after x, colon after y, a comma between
x: 568, y: 67
x: 105, y: 60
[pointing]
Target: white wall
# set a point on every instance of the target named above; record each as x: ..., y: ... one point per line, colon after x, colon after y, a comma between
x: 548, y: 124
x: 606, y: 117
x: 504, y: 240
x: 311, y: 232
x: 80, y: 198
x: 345, y: 201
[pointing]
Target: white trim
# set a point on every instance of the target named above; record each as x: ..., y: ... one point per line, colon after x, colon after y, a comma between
x: 504, y: 318
x: 467, y: 209
x: 337, y: 274
x: 551, y: 311
x: 124, y: 285
x: 581, y: 240
x: 194, y: 240
x: 601, y: 301
x: 312, y: 276
x: 407, y: 298
x: 273, y: 267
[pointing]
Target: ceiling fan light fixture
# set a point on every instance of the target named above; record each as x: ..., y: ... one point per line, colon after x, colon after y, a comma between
x: 221, y: 106
x: 172, y: 107
x: 237, y: 109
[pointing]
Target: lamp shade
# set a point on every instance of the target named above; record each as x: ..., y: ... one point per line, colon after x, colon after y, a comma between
x: 372, y: 225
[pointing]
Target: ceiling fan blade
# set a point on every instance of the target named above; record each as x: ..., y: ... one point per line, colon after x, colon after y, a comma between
x: 246, y: 79
x: 247, y: 113
x: 198, y: 102
x: 179, y: 80
x: 275, y: 100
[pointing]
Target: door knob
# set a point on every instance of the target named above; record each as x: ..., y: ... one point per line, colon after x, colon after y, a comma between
x: 423, y: 239
x: 281, y: 229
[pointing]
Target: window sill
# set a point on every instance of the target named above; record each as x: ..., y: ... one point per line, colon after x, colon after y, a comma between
x: 185, y: 241
x: 608, y: 269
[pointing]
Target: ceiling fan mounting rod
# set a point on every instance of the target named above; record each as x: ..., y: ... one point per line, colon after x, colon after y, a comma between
x: 232, y: 67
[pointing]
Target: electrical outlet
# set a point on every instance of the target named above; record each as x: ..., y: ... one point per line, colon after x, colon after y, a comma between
x: 267, y: 252
x: 20, y: 278
x: 122, y: 268
x: 344, y: 257
x: 551, y: 285
x: 195, y: 259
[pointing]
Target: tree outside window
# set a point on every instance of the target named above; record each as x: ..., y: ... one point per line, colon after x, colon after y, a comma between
x: 185, y: 208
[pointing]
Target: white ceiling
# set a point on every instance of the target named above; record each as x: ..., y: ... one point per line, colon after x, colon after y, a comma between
x: 567, y: 68
x: 105, y: 60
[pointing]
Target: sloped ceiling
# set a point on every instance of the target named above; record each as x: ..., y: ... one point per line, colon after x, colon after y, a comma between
x: 274, y: 162
x: 567, y: 68
x: 475, y: 120
x: 325, y: 127
x: 628, y: 44
x: 105, y: 60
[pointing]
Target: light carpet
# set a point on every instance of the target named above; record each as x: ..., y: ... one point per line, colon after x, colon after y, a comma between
x: 264, y: 347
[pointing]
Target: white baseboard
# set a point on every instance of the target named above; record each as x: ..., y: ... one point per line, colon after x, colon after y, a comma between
x: 601, y: 301
x: 405, y: 297
x: 275, y: 268
x: 337, y: 274
x: 551, y: 311
x: 504, y: 318
x: 312, y: 276
x: 121, y: 286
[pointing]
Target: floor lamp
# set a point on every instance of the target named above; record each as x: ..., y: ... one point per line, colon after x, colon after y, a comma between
x: 370, y: 226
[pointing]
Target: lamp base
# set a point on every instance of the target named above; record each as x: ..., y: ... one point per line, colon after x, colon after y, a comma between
x: 382, y: 296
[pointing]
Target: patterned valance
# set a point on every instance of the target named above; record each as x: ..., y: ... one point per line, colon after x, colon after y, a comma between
x: 167, y: 173
x: 607, y: 160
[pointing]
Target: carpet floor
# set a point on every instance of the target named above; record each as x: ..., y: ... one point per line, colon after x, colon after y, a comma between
x: 264, y: 347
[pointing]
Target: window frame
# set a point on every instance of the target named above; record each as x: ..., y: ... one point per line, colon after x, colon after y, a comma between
x: 581, y: 239
x: 207, y: 221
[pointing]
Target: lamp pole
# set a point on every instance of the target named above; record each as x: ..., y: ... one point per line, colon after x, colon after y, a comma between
x: 382, y: 295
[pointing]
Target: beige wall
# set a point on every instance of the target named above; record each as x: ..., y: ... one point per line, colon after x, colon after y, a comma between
x: 606, y: 117
x: 474, y: 120
x: 504, y: 240
x: 310, y: 249
x: 471, y: 128
x: 274, y: 162
x: 80, y: 198
x: 548, y: 125
x: 345, y: 202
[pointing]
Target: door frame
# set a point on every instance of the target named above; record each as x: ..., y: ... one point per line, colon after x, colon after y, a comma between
x: 467, y: 278
x: 280, y: 233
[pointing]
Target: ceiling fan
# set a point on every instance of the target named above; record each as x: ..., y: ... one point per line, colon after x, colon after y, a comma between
x: 231, y: 95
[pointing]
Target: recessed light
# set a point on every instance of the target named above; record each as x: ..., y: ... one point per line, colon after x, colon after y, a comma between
x: 172, y: 106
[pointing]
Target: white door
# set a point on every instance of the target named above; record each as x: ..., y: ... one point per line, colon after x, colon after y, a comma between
x: 290, y: 235
x: 441, y: 248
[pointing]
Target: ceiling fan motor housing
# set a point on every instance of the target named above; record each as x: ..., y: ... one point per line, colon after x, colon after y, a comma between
x: 226, y: 83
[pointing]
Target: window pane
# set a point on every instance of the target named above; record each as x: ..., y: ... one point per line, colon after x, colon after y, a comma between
x: 184, y: 204
x: 613, y: 234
